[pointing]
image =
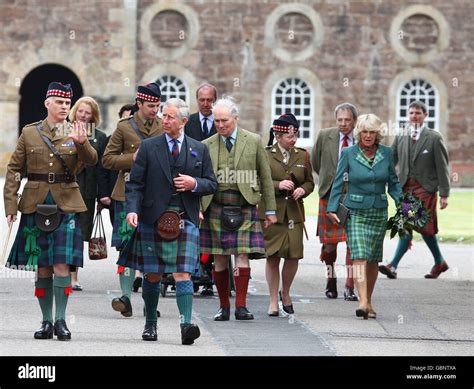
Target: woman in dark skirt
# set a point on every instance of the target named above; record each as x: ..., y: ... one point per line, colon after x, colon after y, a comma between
x: 50, y: 152
x: 368, y: 168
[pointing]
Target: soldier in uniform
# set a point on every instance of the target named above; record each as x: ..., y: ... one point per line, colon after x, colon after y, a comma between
x: 292, y: 177
x: 231, y: 225
x: 169, y: 175
x: 119, y: 155
x: 86, y: 110
x: 49, y: 239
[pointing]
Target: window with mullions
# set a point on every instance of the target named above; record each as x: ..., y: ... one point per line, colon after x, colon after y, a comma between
x: 295, y: 95
x: 171, y: 87
x: 421, y: 90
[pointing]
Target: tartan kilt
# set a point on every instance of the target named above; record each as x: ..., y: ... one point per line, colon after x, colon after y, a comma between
x: 429, y: 201
x: 328, y: 232
x: 216, y: 240
x: 147, y: 252
x: 64, y: 245
x: 366, y: 232
x: 121, y: 230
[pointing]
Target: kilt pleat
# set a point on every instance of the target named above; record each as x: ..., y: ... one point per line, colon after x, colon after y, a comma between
x: 328, y: 232
x: 147, y: 252
x: 366, y: 232
x: 247, y: 240
x: 64, y: 245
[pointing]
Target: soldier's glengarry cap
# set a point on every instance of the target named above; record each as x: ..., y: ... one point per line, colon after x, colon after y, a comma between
x: 286, y: 123
x: 150, y: 92
x: 60, y: 90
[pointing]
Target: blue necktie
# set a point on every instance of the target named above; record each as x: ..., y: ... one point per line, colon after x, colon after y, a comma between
x: 205, y: 129
x: 175, y: 149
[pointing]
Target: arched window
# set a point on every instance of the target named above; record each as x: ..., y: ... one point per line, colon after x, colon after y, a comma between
x: 295, y: 95
x: 172, y: 86
x: 418, y: 89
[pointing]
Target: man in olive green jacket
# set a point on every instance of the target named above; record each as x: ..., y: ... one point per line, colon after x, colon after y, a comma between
x: 243, y: 174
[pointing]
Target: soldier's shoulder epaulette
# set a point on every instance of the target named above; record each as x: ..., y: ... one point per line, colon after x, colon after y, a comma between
x: 32, y: 124
x: 124, y: 119
x: 268, y: 147
x: 301, y: 149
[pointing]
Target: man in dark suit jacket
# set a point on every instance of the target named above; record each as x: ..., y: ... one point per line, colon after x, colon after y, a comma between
x: 171, y: 172
x: 200, y: 125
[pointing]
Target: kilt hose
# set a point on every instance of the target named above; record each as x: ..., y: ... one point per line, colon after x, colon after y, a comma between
x: 34, y: 248
x: 366, y: 232
x: 429, y: 201
x: 148, y: 252
x: 121, y: 230
x: 328, y: 232
x: 248, y: 239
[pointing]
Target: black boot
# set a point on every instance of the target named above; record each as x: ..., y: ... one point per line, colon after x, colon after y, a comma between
x: 61, y: 330
x: 150, y: 332
x: 45, y: 332
x: 331, y: 288
x: 123, y: 305
x: 137, y: 284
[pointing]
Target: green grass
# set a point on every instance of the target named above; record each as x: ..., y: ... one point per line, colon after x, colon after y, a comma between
x: 455, y: 223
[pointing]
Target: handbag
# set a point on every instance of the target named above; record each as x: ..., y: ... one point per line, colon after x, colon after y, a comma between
x: 98, y: 243
x: 342, y: 211
x: 47, y: 217
x: 232, y: 218
x: 169, y: 225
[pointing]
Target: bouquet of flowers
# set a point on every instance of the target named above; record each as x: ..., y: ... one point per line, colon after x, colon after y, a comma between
x: 410, y: 215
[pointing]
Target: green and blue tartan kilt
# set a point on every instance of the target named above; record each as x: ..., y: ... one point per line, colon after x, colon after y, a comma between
x: 121, y: 232
x: 147, y: 252
x: 365, y: 231
x: 34, y: 248
x: 216, y: 240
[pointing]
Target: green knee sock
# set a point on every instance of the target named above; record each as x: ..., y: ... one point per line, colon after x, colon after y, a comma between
x: 62, y: 290
x: 184, y: 299
x: 126, y: 281
x: 151, y: 296
x: 432, y: 243
x: 44, y: 292
x: 402, y: 247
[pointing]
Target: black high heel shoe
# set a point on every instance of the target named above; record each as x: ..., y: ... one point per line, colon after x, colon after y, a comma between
x: 137, y: 283
x: 287, y: 308
x: 362, y: 313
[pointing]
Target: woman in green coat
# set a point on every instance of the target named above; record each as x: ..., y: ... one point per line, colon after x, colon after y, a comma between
x: 368, y: 168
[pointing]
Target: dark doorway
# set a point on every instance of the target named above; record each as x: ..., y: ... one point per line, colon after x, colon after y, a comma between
x: 33, y: 91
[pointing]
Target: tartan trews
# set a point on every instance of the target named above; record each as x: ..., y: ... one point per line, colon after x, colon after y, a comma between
x: 328, y: 232
x: 366, y: 232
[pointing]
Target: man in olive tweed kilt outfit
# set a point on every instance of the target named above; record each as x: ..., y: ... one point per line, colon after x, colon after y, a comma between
x: 52, y: 181
x: 171, y: 172
x: 243, y: 172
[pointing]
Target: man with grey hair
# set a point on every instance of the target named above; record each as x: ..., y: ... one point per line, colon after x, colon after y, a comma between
x: 325, y: 157
x: 170, y: 174
x: 231, y: 224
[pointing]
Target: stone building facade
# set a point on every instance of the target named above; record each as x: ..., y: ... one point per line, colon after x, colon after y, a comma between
x: 271, y: 55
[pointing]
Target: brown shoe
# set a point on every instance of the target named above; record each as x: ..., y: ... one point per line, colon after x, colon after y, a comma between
x: 388, y: 270
x: 437, y: 270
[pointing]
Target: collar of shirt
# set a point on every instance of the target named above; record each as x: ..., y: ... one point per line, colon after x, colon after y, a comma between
x: 233, y: 137
x: 210, y: 119
x: 411, y: 129
x: 169, y: 140
x: 282, y: 150
x: 350, y: 137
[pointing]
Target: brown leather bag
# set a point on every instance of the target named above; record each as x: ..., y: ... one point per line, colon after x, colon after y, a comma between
x: 168, y: 226
x: 98, y: 243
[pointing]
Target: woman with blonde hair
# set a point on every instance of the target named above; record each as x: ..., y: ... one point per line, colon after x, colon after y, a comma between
x: 365, y: 168
x: 86, y: 111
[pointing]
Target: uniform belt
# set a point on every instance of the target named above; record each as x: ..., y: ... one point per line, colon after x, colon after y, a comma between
x: 52, y: 178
